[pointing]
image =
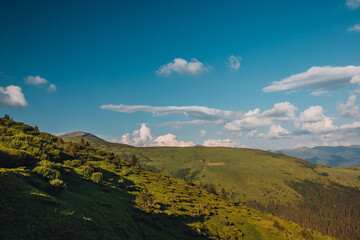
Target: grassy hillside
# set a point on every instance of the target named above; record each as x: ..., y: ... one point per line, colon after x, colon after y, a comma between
x: 55, y: 190
x: 331, y: 156
x: 321, y: 197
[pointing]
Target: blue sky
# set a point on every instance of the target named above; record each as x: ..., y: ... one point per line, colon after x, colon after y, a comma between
x: 92, y: 66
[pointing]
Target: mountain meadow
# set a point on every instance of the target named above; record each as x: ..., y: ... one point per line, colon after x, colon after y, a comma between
x: 323, y: 198
x: 51, y: 189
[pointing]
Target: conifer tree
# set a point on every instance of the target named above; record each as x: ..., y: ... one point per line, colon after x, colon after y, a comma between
x: 223, y: 194
x: 36, y: 129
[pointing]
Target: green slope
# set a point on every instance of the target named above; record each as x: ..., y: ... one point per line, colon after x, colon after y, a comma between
x: 76, y: 191
x: 313, y: 195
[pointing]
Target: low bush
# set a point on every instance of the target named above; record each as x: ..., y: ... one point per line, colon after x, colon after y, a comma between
x: 97, y: 177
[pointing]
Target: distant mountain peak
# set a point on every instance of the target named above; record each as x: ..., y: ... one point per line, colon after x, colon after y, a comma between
x: 79, y: 134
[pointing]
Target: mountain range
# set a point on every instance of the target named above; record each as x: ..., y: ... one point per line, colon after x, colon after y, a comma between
x: 339, y: 156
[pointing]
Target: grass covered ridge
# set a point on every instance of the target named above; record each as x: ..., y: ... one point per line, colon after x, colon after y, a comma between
x: 285, y: 186
x: 76, y: 191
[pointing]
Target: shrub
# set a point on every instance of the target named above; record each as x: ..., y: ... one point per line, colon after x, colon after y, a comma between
x: 87, y: 170
x: 56, y: 186
x: 97, y: 177
x: 73, y: 163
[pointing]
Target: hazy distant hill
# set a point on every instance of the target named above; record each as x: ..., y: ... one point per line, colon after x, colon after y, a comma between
x: 340, y: 156
x: 92, y: 139
x: 290, y: 187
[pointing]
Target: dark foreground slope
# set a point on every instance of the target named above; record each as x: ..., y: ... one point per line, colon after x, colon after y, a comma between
x: 55, y: 190
x: 323, y: 198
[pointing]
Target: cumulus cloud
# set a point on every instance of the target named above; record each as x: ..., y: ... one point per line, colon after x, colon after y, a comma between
x: 319, y: 79
x: 234, y: 62
x: 35, y: 80
x: 353, y: 4
x: 275, y: 131
x: 283, y: 109
x: 312, y: 114
x: 349, y: 109
x: 143, y: 138
x: 202, y: 133
x: 220, y: 143
x: 181, y: 66
x: 12, y: 96
x: 170, y: 140
x: 51, y: 88
x: 355, y: 28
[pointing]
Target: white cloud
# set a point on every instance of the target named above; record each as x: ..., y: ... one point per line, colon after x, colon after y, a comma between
x: 234, y: 62
x: 355, y: 28
x: 170, y: 140
x: 318, y: 92
x: 202, y: 133
x: 312, y: 114
x: 181, y: 66
x: 52, y: 88
x: 353, y: 4
x: 203, y: 113
x: 220, y: 143
x: 248, y: 123
x: 314, y: 121
x: 319, y: 79
x: 282, y: 109
x: 12, y: 96
x: 325, y: 125
x: 349, y: 109
x: 231, y: 120
x: 35, y: 80
x: 251, y: 133
x: 143, y: 138
x: 275, y: 131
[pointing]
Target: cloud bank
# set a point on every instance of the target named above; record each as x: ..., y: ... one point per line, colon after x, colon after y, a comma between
x: 144, y: 138
x: 220, y: 143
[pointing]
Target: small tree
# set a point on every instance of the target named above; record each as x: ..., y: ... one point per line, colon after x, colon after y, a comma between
x: 211, y: 189
x: 135, y: 162
x: 36, y: 129
x: 223, y: 194
x: 82, y: 142
x: 6, y: 116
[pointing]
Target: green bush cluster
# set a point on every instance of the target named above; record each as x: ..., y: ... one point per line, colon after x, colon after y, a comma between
x: 49, y: 170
